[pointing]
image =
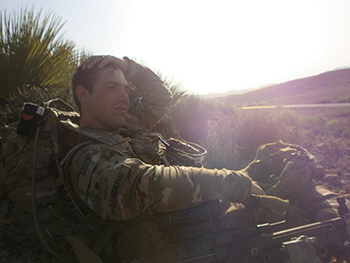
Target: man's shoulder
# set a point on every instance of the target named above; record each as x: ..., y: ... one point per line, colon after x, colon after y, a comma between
x: 92, y: 134
x: 97, y: 146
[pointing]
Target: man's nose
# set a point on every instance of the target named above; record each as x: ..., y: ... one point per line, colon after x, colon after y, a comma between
x: 123, y: 95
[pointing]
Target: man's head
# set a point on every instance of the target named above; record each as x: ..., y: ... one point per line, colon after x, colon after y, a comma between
x: 101, y: 97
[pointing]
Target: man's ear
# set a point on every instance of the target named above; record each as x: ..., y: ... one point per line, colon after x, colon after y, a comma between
x: 82, y: 93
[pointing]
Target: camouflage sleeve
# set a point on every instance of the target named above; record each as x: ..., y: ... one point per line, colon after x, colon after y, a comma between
x: 156, y: 98
x: 121, y: 188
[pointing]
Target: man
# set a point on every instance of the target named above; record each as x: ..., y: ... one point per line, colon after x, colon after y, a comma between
x: 117, y: 169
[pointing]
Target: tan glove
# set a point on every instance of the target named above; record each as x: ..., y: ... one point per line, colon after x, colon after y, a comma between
x: 259, y: 209
x: 268, y: 203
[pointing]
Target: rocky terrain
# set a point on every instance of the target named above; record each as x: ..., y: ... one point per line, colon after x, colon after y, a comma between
x: 329, y: 141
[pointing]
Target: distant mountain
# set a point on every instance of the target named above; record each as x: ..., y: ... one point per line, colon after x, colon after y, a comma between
x: 213, y: 95
x: 329, y: 87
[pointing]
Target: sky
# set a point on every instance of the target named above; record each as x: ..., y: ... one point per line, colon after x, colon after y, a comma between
x: 211, y: 46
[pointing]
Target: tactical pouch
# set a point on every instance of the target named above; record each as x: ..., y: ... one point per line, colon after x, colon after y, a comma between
x: 29, y: 118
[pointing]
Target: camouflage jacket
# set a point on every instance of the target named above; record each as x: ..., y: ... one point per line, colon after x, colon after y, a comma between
x: 116, y: 180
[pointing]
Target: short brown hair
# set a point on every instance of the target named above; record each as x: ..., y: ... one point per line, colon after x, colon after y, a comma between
x: 87, y: 78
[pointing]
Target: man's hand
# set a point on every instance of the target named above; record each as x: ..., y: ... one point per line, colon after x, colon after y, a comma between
x: 254, y: 190
x: 269, y: 204
x: 102, y: 61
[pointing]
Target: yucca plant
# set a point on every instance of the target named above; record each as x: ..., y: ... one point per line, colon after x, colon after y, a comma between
x: 33, y: 53
x: 168, y: 127
x: 176, y: 88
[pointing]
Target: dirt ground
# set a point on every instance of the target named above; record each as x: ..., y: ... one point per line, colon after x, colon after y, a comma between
x: 327, y: 136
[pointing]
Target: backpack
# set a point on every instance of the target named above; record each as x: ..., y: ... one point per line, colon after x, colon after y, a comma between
x: 30, y: 152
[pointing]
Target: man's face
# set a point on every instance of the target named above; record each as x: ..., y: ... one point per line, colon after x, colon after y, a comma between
x: 106, y: 107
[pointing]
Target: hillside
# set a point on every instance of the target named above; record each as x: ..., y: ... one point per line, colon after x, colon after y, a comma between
x: 213, y: 95
x: 328, y: 87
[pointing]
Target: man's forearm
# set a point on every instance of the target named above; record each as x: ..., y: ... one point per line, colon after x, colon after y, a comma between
x: 122, y: 188
x: 171, y: 188
x: 156, y: 97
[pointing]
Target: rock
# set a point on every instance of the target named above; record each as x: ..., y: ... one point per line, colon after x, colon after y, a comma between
x: 347, y: 190
x: 346, y: 177
x: 347, y: 196
x: 319, y: 173
x: 333, y: 170
x: 323, y: 147
x: 334, y: 179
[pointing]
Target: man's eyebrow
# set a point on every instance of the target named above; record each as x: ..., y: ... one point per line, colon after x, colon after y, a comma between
x: 116, y: 83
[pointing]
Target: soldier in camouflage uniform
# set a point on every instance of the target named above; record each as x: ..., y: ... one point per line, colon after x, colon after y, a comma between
x: 120, y: 175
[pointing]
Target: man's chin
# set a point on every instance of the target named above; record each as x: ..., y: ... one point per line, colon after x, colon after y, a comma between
x: 116, y: 126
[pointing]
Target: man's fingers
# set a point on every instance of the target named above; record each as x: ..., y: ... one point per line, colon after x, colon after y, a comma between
x: 102, y: 61
x: 92, y: 61
x: 110, y: 59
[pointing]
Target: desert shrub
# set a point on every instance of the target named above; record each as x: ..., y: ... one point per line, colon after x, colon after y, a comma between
x: 334, y: 127
x: 34, y: 52
x: 190, y: 118
x: 346, y: 134
x: 221, y: 147
x: 316, y: 130
x: 342, y: 113
x: 333, y: 152
x: 211, y: 124
x: 288, y: 125
x: 221, y: 135
x: 254, y: 130
x: 341, y: 101
x: 324, y: 101
x: 321, y: 121
x: 345, y: 129
x: 168, y: 127
x: 314, y: 125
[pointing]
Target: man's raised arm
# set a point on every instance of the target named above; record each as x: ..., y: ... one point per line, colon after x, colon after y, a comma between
x: 156, y: 97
